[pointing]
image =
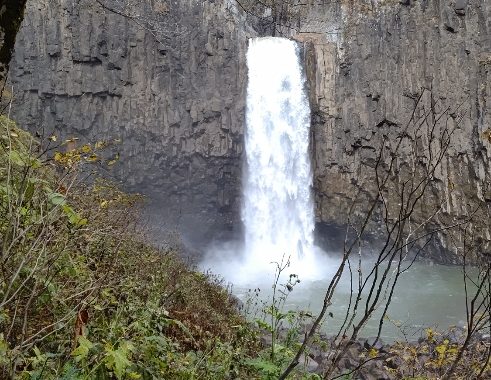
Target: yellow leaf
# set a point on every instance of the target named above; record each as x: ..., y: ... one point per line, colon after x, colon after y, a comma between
x: 92, y: 158
x: 441, y: 349
x: 430, y: 334
x: 58, y: 157
x: 373, y: 352
x: 82, y: 222
x: 114, y: 160
x: 100, y: 144
x: 53, y: 138
x: 86, y: 148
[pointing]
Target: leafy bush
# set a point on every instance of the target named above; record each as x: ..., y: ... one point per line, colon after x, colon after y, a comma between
x: 82, y: 297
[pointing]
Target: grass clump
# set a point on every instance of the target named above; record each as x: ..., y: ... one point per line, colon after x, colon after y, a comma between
x: 82, y: 297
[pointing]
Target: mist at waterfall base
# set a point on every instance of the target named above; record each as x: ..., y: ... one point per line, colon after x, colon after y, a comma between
x: 278, y: 212
x: 425, y: 295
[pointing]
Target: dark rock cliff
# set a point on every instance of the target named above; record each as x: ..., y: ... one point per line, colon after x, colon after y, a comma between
x: 368, y: 62
x: 170, y: 81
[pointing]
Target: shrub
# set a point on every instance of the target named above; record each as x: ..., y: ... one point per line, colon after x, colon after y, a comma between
x: 82, y: 296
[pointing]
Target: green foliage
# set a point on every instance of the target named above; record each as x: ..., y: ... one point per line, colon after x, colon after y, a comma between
x: 285, y: 328
x: 82, y: 297
x: 82, y: 350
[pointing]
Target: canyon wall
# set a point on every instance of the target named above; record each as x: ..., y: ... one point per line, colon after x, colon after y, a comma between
x: 166, y: 79
x: 169, y: 82
x: 368, y: 64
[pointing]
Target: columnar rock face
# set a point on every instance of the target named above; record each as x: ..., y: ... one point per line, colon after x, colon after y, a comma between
x: 167, y: 80
x: 368, y: 64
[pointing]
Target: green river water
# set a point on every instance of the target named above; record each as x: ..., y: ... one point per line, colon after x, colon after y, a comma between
x: 426, y: 296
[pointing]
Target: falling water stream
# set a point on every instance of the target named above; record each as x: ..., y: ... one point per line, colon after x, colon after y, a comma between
x: 278, y: 211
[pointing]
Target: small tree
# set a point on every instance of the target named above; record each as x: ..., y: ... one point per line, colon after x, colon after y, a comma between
x: 405, y: 174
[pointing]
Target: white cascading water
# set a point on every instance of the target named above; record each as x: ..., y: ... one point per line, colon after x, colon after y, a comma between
x: 278, y: 211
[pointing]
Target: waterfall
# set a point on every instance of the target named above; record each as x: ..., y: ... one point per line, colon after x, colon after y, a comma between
x: 277, y: 212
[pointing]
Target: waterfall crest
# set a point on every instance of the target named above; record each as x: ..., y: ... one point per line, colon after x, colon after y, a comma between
x: 277, y: 212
